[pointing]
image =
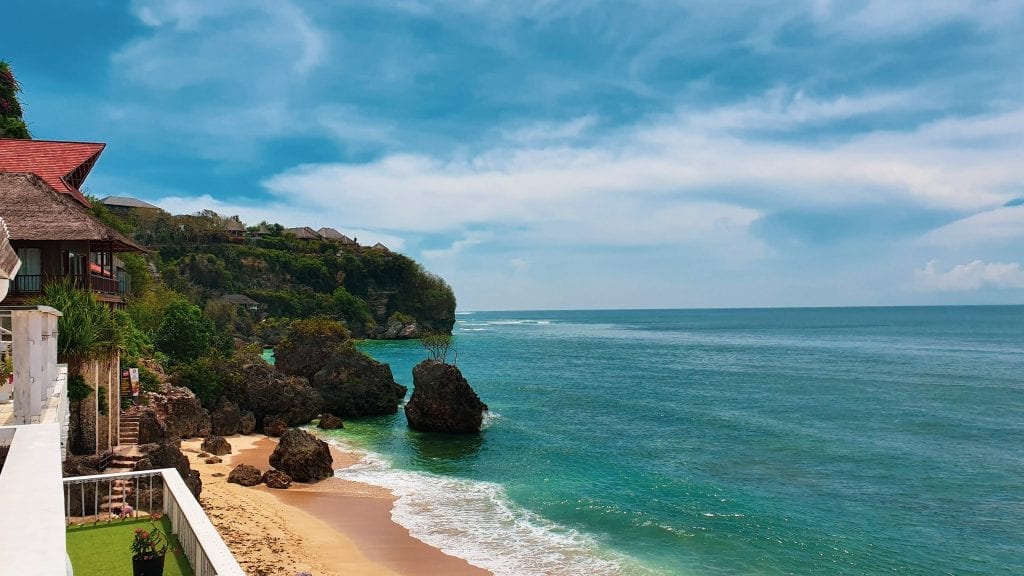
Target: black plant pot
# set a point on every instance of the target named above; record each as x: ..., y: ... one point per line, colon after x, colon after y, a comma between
x: 148, y: 566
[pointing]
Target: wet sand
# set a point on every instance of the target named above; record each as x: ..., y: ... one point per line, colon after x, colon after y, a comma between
x: 333, y: 527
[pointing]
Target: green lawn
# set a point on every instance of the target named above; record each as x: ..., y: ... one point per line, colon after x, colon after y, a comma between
x: 105, y: 548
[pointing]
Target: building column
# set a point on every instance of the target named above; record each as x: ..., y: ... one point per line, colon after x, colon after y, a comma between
x: 27, y: 349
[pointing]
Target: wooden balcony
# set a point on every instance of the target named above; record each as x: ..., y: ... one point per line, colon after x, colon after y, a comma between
x: 27, y: 285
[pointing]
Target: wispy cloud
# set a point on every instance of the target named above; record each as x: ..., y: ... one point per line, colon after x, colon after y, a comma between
x: 972, y: 276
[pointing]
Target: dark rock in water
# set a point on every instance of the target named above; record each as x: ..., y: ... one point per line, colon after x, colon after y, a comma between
x: 259, y: 388
x: 277, y: 479
x: 442, y: 400
x: 213, y: 460
x: 180, y: 413
x: 303, y: 456
x: 275, y: 427
x: 329, y: 422
x: 168, y: 454
x: 245, y: 475
x: 216, y: 445
x: 247, y: 423
x: 352, y: 384
x: 225, y: 420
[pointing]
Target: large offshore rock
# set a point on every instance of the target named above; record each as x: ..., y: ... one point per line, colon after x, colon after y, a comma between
x: 275, y: 427
x: 216, y: 445
x: 303, y: 456
x: 245, y: 475
x: 225, y: 420
x: 352, y: 384
x: 259, y: 388
x: 180, y: 412
x: 443, y: 401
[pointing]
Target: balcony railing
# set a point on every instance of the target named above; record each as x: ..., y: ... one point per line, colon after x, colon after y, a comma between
x: 34, y: 283
x: 94, y: 498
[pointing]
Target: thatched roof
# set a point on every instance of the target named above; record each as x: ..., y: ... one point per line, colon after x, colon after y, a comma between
x: 35, y: 211
x: 332, y: 234
x: 233, y: 225
x: 9, y: 262
x: 303, y: 233
x: 379, y: 246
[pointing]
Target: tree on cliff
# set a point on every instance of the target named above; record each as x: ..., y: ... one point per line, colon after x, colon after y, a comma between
x: 11, y: 123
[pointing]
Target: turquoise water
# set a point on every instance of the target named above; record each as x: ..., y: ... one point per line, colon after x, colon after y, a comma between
x: 814, y: 441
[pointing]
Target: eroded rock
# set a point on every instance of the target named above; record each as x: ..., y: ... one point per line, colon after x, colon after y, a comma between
x: 443, y: 401
x: 245, y: 475
x: 329, y: 422
x: 216, y: 445
x: 277, y: 479
x: 303, y: 456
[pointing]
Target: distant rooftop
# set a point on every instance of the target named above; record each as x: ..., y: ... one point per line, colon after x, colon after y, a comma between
x: 304, y: 233
x: 127, y: 202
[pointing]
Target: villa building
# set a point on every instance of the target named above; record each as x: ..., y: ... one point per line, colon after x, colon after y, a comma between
x: 303, y: 233
x: 122, y: 205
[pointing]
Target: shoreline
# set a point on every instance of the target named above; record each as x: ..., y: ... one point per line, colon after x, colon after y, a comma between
x: 333, y: 527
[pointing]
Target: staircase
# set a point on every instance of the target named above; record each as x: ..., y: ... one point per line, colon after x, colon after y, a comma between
x: 128, y: 434
x: 126, y: 454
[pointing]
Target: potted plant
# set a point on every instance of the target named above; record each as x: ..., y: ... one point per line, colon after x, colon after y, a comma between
x: 148, y: 550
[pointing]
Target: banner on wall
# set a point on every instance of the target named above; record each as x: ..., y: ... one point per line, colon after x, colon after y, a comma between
x: 133, y: 377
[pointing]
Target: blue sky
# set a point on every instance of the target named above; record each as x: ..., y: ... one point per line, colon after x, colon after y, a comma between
x: 583, y: 154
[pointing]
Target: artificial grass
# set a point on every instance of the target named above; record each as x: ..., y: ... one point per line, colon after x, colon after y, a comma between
x: 105, y: 548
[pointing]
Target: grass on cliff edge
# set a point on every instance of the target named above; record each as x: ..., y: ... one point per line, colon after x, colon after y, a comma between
x: 105, y: 548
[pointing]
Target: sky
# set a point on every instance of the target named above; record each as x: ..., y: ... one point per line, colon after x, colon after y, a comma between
x: 566, y: 155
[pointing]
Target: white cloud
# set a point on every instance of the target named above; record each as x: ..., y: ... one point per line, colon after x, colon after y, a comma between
x: 458, y: 246
x: 972, y: 276
x: 1000, y: 226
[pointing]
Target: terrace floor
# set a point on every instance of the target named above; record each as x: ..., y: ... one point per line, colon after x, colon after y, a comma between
x: 105, y: 548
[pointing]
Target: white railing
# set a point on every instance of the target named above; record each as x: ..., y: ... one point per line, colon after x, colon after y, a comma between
x: 199, y: 540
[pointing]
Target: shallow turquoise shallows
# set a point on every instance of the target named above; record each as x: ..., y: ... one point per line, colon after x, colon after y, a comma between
x: 814, y: 441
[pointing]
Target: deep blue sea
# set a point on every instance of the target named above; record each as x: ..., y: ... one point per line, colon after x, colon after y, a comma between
x: 710, y: 442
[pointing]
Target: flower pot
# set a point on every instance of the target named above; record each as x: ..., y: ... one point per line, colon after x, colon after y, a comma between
x: 148, y: 566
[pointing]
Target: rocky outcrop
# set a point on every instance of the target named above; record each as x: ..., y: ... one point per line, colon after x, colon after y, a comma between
x: 82, y: 465
x: 151, y: 427
x: 180, y: 412
x: 245, y: 475
x: 259, y: 388
x: 277, y: 479
x: 352, y: 385
x: 398, y: 328
x: 167, y: 454
x: 216, y: 445
x: 247, y: 423
x: 226, y: 419
x: 213, y: 460
x: 443, y: 401
x: 275, y: 427
x: 303, y: 456
x: 329, y: 422
x: 308, y: 345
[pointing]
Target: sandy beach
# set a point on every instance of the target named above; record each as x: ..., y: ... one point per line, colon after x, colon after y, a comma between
x: 333, y: 527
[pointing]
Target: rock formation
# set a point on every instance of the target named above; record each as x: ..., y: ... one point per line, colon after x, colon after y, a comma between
x: 225, y: 420
x: 247, y: 423
x: 303, y: 456
x: 308, y: 345
x: 216, y: 445
x: 167, y: 454
x: 329, y: 421
x: 352, y: 384
x: 245, y: 475
x: 275, y: 427
x: 258, y: 387
x: 442, y: 400
x: 276, y: 479
x: 180, y: 412
x: 398, y: 328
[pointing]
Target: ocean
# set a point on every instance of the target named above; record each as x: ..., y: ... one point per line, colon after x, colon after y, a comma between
x: 850, y: 441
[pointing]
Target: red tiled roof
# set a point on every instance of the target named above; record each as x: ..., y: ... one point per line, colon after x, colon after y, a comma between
x: 62, y: 165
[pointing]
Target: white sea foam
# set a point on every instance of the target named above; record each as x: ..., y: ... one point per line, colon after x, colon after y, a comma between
x: 476, y: 521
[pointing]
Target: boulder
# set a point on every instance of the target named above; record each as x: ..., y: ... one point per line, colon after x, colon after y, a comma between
x: 442, y: 400
x: 81, y: 465
x: 352, y: 385
x: 213, y: 460
x: 259, y: 388
x: 245, y: 475
x: 275, y: 427
x: 303, y: 456
x: 399, y: 328
x: 247, y: 423
x: 168, y: 454
x: 277, y: 479
x: 329, y: 421
x: 226, y: 419
x: 216, y: 445
x: 180, y: 413
x: 217, y: 474
x: 143, y: 465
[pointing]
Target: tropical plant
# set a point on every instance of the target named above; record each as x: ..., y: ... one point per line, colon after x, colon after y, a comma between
x: 12, y: 125
x: 87, y: 328
x: 438, y: 346
x: 149, y: 544
x: 185, y: 334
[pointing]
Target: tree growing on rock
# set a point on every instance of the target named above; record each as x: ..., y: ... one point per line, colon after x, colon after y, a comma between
x: 438, y: 345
